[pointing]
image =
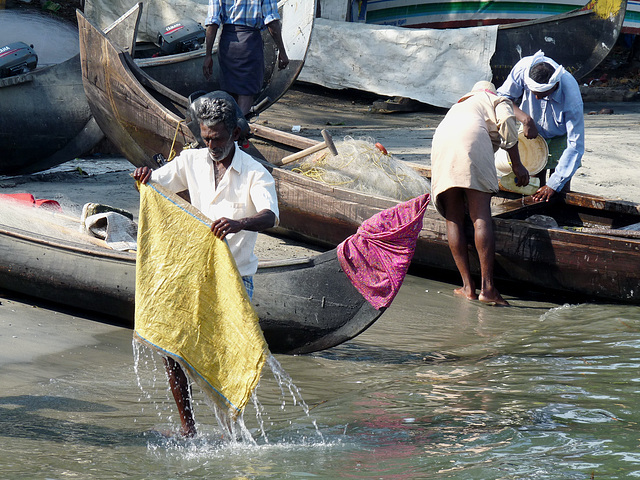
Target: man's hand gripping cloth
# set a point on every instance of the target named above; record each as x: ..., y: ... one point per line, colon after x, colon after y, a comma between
x: 376, y: 258
x: 191, y: 303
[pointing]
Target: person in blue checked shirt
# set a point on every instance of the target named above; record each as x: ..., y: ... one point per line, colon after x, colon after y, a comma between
x: 240, y: 50
x: 550, y: 105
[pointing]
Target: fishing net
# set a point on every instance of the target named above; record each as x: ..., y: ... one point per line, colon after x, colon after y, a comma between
x: 363, y: 166
x: 112, y: 226
x: 22, y: 215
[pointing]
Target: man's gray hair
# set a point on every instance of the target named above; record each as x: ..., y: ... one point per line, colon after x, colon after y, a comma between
x: 212, y: 111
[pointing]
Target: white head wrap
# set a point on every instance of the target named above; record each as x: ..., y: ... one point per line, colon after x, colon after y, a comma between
x: 481, y: 86
x: 555, y: 78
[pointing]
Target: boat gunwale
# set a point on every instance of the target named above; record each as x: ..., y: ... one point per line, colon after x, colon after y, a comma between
x: 67, y: 245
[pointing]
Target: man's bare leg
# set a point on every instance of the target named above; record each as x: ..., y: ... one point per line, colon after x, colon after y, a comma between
x: 245, y: 102
x: 453, y: 201
x: 181, y: 393
x: 480, y: 212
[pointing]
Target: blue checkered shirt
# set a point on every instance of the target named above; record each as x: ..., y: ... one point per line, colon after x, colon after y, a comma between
x: 252, y: 13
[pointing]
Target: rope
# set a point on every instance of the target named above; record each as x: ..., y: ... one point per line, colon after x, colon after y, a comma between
x: 172, y: 152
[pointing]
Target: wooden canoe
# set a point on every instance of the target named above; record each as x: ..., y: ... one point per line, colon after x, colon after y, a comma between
x: 579, y: 40
x: 596, y: 266
x: 65, y: 127
x: 304, y: 304
x: 439, y: 14
x: 45, y: 119
x: 183, y: 72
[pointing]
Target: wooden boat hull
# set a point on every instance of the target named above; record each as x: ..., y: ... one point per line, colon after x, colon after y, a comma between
x: 182, y: 73
x: 304, y: 305
x: 65, y: 128
x: 595, y: 266
x: 579, y: 40
x: 438, y: 14
x: 45, y: 119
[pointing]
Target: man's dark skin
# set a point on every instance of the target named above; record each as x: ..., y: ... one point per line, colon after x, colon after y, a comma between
x: 221, y: 145
x: 530, y: 130
x: 218, y: 140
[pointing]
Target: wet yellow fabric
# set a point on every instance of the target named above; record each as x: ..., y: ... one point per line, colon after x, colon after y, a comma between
x: 191, y: 303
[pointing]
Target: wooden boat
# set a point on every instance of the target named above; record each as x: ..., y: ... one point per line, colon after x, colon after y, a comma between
x: 579, y: 40
x: 54, y: 94
x: 597, y: 266
x: 304, y: 304
x: 182, y: 72
x: 438, y: 14
x: 449, y: 61
x: 44, y: 117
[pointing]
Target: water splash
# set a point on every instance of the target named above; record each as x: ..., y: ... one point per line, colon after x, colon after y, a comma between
x: 230, y: 433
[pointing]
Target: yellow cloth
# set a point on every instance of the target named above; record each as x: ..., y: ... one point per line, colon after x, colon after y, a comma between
x: 191, y: 303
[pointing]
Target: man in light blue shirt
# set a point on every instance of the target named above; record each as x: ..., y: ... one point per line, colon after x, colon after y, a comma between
x: 551, y: 106
x: 240, y: 50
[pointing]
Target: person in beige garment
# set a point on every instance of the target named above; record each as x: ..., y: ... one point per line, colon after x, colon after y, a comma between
x: 464, y: 178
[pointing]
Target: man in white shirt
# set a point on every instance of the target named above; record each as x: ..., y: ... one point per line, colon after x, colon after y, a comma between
x: 228, y: 186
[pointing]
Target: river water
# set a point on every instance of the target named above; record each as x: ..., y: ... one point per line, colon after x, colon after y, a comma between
x: 438, y: 388
x: 38, y: 30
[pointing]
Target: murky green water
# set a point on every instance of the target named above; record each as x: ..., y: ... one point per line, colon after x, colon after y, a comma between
x: 438, y: 388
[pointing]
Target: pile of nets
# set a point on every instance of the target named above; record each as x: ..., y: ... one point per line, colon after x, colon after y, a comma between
x: 363, y: 166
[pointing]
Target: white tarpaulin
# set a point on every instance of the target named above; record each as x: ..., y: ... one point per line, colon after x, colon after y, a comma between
x: 432, y: 66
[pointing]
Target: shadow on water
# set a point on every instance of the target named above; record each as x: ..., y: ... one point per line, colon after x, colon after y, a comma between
x: 356, y: 352
x: 20, y: 419
x: 103, y: 318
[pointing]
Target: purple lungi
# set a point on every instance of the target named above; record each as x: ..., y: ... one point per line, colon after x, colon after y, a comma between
x: 241, y: 60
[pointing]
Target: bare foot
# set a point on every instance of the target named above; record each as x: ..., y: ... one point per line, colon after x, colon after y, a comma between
x: 466, y: 293
x: 493, y: 298
x: 173, y: 433
x: 188, y: 432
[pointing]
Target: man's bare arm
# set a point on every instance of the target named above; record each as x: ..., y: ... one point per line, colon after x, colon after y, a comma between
x: 262, y: 220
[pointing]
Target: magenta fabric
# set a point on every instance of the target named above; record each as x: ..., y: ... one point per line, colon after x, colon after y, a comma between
x: 376, y: 258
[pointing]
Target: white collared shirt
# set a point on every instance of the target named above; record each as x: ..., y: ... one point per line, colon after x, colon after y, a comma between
x: 246, y: 189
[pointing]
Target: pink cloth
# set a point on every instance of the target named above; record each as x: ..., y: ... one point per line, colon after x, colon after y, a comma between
x: 376, y: 258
